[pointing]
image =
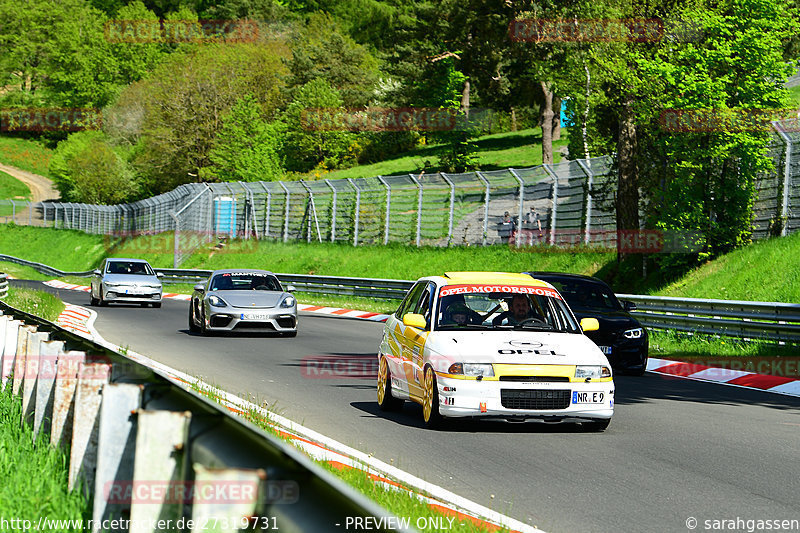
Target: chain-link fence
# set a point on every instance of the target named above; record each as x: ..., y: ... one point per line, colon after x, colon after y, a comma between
x: 567, y: 203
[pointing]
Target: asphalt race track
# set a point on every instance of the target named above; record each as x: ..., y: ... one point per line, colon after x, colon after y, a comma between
x: 675, y: 449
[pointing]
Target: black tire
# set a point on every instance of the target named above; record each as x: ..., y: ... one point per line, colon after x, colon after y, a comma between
x: 430, y: 406
x: 193, y: 328
x: 95, y: 301
x: 386, y: 402
x: 203, y: 329
x: 103, y: 303
x: 596, y: 426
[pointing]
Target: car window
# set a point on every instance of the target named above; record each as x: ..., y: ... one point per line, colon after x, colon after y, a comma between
x: 245, y: 281
x: 129, y: 267
x: 587, y: 295
x: 412, y: 297
x: 423, y: 305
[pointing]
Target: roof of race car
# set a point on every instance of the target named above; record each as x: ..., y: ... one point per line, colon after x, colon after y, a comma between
x: 241, y: 271
x: 458, y: 278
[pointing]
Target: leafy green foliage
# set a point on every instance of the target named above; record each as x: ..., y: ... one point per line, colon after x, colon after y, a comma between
x: 247, y: 148
x: 306, y: 147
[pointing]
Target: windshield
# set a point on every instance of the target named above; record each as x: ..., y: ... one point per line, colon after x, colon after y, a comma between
x: 245, y: 281
x: 129, y: 267
x: 587, y: 295
x: 500, y: 307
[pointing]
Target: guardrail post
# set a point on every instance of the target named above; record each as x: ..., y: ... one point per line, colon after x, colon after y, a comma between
x: 452, y: 207
x: 20, y: 356
x: 555, y: 203
x: 333, y: 211
x: 419, y: 208
x: 388, y: 210
x: 31, y: 373
x: 83, y: 453
x: 115, y: 450
x: 64, y: 397
x: 518, y: 240
x: 586, y: 166
x: 246, y: 481
x: 10, y: 348
x: 358, y: 209
x: 45, y: 381
x: 787, y: 178
x: 269, y: 201
x: 485, y: 206
x: 286, y: 213
x: 161, y: 439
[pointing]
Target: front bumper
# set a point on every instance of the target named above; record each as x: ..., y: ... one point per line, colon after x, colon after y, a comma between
x: 127, y: 294
x: 282, y: 320
x: 524, y: 400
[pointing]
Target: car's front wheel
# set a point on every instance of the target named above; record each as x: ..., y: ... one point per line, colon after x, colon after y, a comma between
x: 430, y: 401
x: 94, y: 301
x: 386, y: 402
x: 193, y: 327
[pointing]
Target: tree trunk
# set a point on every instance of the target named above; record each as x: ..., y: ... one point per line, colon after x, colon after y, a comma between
x: 513, y: 119
x: 556, y: 118
x: 465, y: 99
x: 547, y: 125
x: 628, y: 179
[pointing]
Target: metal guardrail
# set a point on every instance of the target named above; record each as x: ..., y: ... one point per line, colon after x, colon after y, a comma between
x: 3, y: 285
x: 773, y: 321
x: 210, y: 440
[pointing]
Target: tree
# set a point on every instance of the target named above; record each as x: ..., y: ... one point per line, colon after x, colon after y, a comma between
x: 247, y: 148
x: 86, y: 169
x: 306, y: 147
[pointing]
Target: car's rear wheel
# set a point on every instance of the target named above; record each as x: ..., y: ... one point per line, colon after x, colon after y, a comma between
x: 430, y: 401
x: 596, y: 425
x: 386, y: 402
x: 193, y: 328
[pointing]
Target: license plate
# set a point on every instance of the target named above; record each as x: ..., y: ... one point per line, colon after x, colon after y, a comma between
x: 605, y: 349
x: 134, y: 291
x: 254, y: 316
x: 588, y: 397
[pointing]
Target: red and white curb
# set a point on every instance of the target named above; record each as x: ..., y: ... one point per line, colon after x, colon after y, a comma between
x: 459, y: 509
x: 75, y: 318
x: 72, y: 287
x: 336, y: 311
x: 726, y: 376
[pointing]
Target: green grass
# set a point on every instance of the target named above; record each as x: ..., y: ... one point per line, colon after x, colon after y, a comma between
x: 34, y: 475
x: 672, y: 344
x: 518, y: 149
x: 39, y: 303
x: 68, y: 250
x: 11, y: 187
x: 794, y: 94
x: 766, y: 271
x: 26, y: 154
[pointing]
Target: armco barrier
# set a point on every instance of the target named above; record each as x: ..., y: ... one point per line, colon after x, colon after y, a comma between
x: 3, y: 285
x: 772, y: 321
x: 142, y: 447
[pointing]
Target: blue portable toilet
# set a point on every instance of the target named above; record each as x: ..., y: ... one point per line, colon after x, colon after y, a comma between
x: 566, y: 121
x: 225, y: 215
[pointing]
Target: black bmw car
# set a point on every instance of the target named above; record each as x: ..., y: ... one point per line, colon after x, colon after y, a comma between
x: 621, y: 337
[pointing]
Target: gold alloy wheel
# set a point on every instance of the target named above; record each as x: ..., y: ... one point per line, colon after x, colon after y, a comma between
x: 383, y: 373
x: 427, y: 396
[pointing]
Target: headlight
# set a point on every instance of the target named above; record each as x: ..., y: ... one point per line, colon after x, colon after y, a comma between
x: 635, y: 333
x: 289, y: 301
x: 472, y: 369
x: 584, y: 372
x: 216, y: 301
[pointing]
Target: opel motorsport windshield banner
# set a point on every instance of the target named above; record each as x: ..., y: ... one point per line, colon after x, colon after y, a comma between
x: 510, y: 289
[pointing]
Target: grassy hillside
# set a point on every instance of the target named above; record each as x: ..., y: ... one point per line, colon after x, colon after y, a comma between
x: 10, y: 187
x: 518, y: 149
x: 26, y: 154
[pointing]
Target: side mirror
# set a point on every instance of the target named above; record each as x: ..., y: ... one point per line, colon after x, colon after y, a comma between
x: 200, y: 287
x: 628, y: 305
x: 589, y: 324
x: 159, y: 274
x: 414, y: 320
x: 96, y: 272
x: 290, y: 288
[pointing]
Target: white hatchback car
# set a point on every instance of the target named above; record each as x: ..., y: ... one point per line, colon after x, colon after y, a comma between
x: 493, y: 345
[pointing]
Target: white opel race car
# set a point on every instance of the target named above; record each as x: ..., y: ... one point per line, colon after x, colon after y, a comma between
x: 493, y: 345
